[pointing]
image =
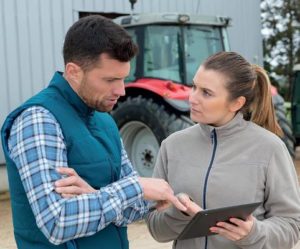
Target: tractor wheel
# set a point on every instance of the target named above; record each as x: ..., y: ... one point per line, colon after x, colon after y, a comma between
x: 285, y: 125
x: 143, y: 125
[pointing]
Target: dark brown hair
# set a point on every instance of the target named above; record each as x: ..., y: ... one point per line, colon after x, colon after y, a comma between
x: 93, y: 35
x: 250, y: 81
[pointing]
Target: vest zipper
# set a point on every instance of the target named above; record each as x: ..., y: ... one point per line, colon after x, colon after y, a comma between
x: 71, y: 244
x: 120, y: 237
x: 213, y: 136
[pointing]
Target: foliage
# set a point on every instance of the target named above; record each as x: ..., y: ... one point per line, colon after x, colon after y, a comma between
x: 281, y: 36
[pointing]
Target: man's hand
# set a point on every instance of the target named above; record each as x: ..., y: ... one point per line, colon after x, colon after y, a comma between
x: 154, y: 189
x: 159, y: 190
x: 72, y: 185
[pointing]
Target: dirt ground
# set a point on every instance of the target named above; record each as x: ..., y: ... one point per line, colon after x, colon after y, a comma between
x: 138, y: 234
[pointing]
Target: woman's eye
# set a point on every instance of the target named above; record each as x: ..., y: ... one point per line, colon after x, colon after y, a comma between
x: 206, y: 93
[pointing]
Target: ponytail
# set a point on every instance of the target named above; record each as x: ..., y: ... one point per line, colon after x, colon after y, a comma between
x: 262, y: 109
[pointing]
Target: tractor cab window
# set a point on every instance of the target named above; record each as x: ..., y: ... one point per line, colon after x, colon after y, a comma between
x: 172, y: 52
x: 199, y: 43
x: 131, y: 76
x: 161, y: 52
x: 175, y: 52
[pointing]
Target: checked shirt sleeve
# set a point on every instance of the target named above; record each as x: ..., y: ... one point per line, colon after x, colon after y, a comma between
x: 37, y: 147
x: 140, y: 208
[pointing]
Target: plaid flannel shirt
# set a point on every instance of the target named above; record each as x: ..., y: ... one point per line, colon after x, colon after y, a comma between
x: 36, y: 145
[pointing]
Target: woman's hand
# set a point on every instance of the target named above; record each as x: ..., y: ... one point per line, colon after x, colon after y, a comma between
x: 191, y: 207
x: 235, y: 231
x: 71, y: 185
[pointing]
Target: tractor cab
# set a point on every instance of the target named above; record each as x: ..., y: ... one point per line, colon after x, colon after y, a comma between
x: 173, y: 45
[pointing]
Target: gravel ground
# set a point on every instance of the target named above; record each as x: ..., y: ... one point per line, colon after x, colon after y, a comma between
x: 138, y: 234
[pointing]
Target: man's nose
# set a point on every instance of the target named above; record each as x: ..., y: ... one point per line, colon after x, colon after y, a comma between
x: 120, y: 89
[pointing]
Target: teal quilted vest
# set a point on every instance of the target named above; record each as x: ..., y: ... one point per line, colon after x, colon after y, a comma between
x: 93, y: 150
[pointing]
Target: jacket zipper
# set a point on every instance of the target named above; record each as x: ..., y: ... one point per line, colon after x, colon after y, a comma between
x: 213, y: 136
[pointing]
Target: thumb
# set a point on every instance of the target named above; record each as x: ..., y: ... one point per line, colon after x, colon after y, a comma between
x: 192, y: 207
x: 184, y: 199
x: 173, y: 199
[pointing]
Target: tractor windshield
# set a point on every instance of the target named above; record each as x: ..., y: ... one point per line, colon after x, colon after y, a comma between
x: 174, y: 52
x: 199, y: 43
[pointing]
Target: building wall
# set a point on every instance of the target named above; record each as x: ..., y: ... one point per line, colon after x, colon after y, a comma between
x: 32, y: 33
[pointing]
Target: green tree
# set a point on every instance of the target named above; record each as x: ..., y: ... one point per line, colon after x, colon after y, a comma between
x: 281, y: 33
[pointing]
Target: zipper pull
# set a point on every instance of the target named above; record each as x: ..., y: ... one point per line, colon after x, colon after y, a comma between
x: 212, y: 136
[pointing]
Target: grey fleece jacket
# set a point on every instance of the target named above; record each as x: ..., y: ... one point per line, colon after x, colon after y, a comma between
x: 250, y: 164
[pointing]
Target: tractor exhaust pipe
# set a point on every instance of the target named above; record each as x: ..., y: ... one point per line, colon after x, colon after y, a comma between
x: 132, y: 2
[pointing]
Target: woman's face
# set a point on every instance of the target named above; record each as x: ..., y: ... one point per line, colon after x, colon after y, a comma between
x: 209, y: 99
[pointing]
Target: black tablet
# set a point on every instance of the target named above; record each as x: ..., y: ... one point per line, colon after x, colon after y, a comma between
x: 203, y: 220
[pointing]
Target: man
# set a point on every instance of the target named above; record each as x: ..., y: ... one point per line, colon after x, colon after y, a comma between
x: 66, y: 126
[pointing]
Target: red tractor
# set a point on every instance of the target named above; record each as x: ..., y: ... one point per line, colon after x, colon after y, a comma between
x: 172, y: 46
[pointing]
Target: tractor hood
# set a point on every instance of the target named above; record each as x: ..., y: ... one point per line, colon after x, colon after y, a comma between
x: 173, y: 93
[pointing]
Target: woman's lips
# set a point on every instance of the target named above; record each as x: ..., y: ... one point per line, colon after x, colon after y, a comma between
x: 195, y: 110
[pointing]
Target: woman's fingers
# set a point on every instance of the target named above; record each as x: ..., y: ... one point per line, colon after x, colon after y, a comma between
x: 235, y: 230
x: 225, y: 233
x: 192, y: 207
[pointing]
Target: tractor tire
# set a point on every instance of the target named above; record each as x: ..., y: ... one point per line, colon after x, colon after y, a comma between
x: 285, y: 125
x: 143, y: 125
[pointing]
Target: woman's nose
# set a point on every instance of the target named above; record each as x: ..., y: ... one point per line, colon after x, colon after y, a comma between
x: 193, y: 99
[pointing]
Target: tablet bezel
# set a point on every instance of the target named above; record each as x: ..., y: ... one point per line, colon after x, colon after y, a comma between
x: 203, y: 220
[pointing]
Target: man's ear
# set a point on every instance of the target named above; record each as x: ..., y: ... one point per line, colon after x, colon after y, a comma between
x: 73, y: 73
x: 237, y: 104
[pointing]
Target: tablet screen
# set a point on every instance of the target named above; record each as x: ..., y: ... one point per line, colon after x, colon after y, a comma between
x: 203, y: 220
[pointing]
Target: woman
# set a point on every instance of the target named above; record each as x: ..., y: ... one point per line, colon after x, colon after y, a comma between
x: 232, y: 156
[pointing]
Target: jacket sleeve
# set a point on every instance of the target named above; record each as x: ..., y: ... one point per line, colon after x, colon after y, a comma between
x: 165, y: 225
x: 280, y: 228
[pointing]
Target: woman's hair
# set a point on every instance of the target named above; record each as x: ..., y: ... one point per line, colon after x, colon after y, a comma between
x: 93, y: 35
x: 250, y: 81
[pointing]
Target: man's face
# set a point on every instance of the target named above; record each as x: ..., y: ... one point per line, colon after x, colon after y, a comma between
x: 101, y: 86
